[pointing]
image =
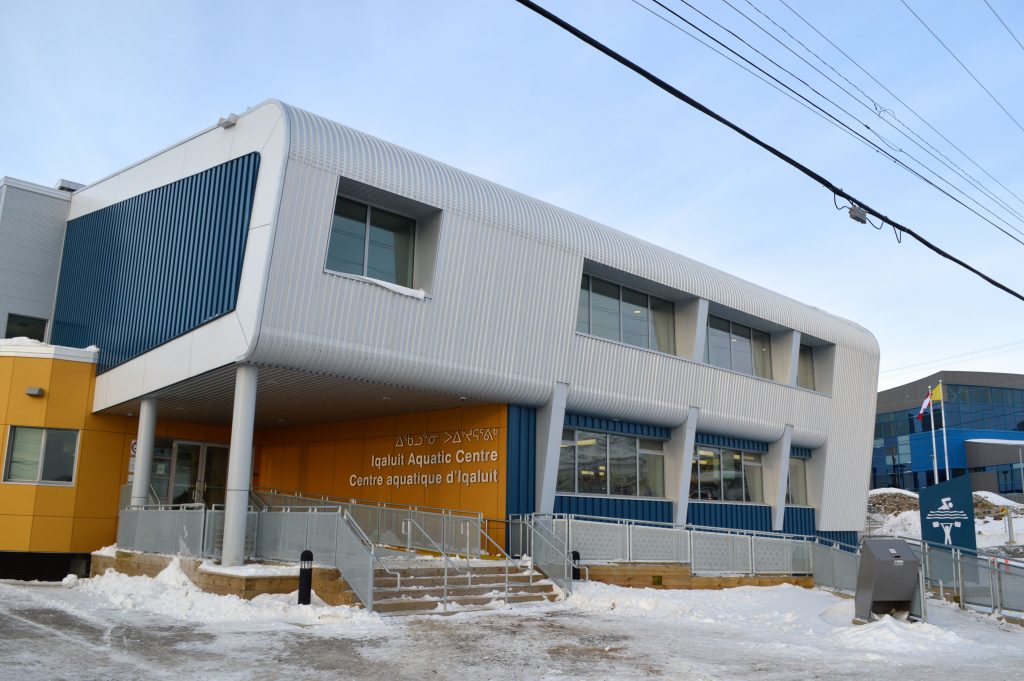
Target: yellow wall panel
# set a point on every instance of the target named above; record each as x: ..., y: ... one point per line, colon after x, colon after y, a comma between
x: 99, y: 475
x: 384, y: 425
x: 6, y: 368
x: 54, y: 501
x: 67, y: 394
x: 17, y: 498
x: 324, y: 432
x: 15, y: 532
x: 51, y: 534
x: 320, y: 473
x: 90, y: 534
x: 446, y: 419
x: 350, y: 430
x: 23, y: 410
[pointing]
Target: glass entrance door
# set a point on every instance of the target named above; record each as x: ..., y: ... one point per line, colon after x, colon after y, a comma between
x: 215, y: 474
x: 187, y: 465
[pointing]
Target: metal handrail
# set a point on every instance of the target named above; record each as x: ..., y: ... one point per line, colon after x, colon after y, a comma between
x: 369, y: 502
x: 564, y: 552
x: 191, y: 506
x: 447, y: 561
x: 508, y: 560
x: 373, y: 547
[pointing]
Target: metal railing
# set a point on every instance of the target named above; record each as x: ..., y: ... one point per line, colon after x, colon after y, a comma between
x: 551, y: 554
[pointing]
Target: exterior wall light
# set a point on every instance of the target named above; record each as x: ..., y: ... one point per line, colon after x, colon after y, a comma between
x: 35, y: 392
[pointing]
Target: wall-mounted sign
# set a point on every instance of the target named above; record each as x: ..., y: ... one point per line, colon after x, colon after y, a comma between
x: 947, y: 513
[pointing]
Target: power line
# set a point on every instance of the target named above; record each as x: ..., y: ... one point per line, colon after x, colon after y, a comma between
x: 981, y: 354
x: 859, y: 135
x: 870, y: 109
x: 971, y: 73
x: 683, y: 97
x: 907, y: 106
x: 879, y: 110
x: 1014, y: 35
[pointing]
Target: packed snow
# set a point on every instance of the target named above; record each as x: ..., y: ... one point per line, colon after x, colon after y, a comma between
x: 114, y: 626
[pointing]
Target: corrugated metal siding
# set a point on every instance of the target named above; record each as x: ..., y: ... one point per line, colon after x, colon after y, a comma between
x: 616, y: 507
x: 731, y: 442
x: 613, y: 426
x: 521, y: 461
x: 799, y: 520
x: 800, y: 452
x: 499, y: 320
x: 733, y: 516
x: 846, y: 537
x: 31, y: 233
x: 149, y: 269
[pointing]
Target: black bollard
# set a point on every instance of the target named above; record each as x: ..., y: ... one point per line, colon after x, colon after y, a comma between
x: 576, y: 565
x: 305, y: 577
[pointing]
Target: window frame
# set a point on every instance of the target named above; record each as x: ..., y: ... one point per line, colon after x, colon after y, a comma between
x: 651, y: 336
x: 10, y: 315
x: 752, y: 330
x: 370, y: 207
x: 9, y: 448
x: 638, y: 451
x: 719, y: 452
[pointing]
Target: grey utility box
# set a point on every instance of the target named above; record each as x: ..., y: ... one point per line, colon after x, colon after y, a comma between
x: 888, y: 580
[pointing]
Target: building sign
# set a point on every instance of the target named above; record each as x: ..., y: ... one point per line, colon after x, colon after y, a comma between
x: 461, y: 457
x: 947, y: 513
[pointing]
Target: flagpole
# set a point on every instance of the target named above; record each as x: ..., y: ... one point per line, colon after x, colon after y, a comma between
x: 935, y: 453
x: 942, y: 415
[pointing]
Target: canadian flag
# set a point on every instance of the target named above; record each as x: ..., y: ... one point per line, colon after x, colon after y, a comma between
x: 924, y: 405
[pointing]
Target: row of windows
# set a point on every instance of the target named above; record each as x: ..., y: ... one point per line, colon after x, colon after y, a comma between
x: 41, y: 455
x: 980, y: 394
x: 605, y: 463
x: 372, y: 242
x: 28, y: 327
x: 731, y: 475
x: 952, y: 415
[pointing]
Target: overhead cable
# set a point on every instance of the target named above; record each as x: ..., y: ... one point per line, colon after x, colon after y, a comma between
x: 683, y: 97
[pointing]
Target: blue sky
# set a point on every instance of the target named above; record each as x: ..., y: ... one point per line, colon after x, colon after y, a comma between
x: 491, y: 88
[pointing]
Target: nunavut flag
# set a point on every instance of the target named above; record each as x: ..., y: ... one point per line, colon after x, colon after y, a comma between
x: 932, y: 396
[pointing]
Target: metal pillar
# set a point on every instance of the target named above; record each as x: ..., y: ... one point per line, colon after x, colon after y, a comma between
x: 144, y: 452
x: 236, y: 498
x: 550, y: 421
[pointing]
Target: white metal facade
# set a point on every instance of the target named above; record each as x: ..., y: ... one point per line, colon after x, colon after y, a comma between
x: 497, y: 321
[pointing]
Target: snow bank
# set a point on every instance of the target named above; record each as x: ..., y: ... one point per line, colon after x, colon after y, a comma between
x: 905, y: 524
x: 794, y: 615
x: 892, y: 490
x: 107, y: 551
x: 997, y: 500
x: 171, y: 594
x: 250, y: 570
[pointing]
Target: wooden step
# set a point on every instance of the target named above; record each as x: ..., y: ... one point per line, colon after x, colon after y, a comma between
x: 459, y: 591
x: 423, y: 605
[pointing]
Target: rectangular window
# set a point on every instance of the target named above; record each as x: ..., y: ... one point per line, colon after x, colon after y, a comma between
x: 41, y: 455
x: 738, y: 347
x: 371, y: 242
x: 727, y: 475
x: 651, y: 468
x: 796, y: 491
x: 617, y: 313
x: 591, y: 463
x: 29, y: 327
x: 805, y: 368
x: 608, y: 463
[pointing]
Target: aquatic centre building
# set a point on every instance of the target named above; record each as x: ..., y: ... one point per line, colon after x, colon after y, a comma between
x: 283, y: 302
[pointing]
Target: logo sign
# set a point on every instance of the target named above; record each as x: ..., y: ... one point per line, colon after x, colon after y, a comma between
x: 947, y: 513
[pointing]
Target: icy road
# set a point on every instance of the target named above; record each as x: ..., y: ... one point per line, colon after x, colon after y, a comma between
x: 117, y: 627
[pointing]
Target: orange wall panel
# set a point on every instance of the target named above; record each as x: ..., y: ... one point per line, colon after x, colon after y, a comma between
x: 15, y: 532
x: 99, y: 474
x: 6, y: 369
x: 23, y: 410
x: 53, y: 501
x: 51, y: 534
x: 67, y: 394
x: 17, y: 498
x: 90, y: 534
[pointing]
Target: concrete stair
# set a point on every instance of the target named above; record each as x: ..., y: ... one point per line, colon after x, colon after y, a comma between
x: 419, y: 590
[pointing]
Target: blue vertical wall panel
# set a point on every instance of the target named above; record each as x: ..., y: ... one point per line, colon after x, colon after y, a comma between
x: 616, y: 507
x: 844, y: 537
x: 521, y: 461
x: 613, y: 426
x: 144, y: 271
x: 733, y: 516
x: 800, y: 452
x: 799, y: 520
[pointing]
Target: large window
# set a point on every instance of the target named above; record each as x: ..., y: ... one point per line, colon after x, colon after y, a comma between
x: 607, y: 463
x: 371, y: 242
x: 738, y: 347
x: 796, y: 490
x: 805, y: 368
x: 727, y: 475
x: 29, y: 327
x: 607, y: 310
x: 41, y: 455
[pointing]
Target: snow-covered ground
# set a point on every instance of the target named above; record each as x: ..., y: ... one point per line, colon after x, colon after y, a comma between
x: 163, y: 628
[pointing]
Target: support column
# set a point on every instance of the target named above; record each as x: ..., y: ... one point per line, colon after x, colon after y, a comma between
x: 144, y: 443
x: 776, y: 473
x: 236, y: 499
x: 550, y: 421
x: 679, y: 464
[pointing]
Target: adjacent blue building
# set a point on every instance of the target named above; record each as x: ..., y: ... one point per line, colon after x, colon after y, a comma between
x: 983, y: 415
